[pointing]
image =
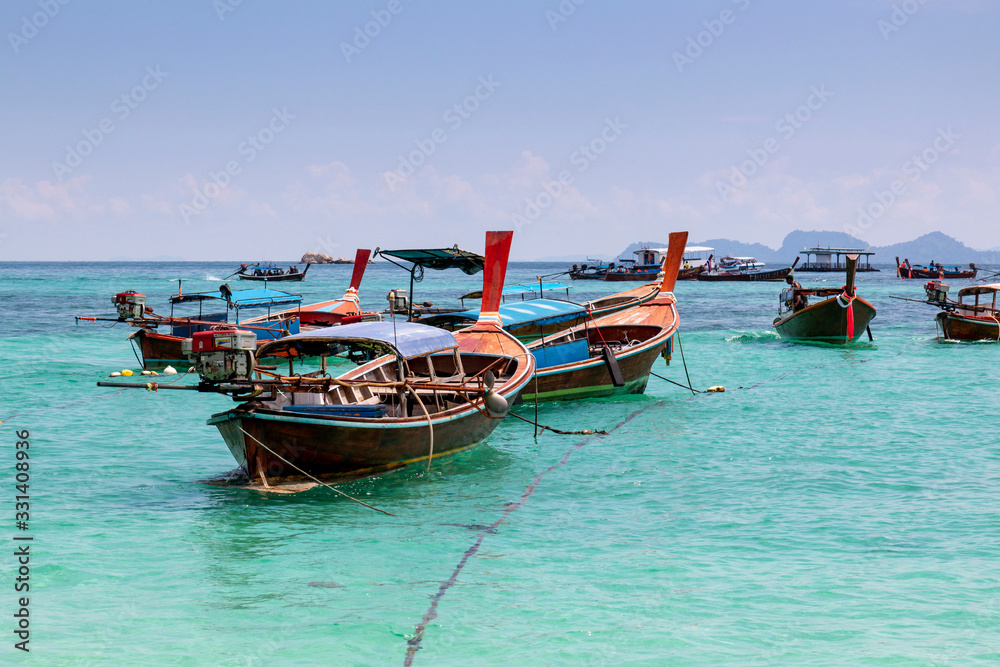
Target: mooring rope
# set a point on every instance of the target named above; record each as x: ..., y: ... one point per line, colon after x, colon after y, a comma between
x: 542, y: 427
x: 684, y: 360
x: 318, y: 481
x: 430, y: 423
x: 684, y: 386
x: 414, y: 644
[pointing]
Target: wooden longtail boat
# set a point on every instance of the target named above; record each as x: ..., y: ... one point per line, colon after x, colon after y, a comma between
x: 270, y: 273
x: 526, y: 319
x: 612, y: 354
x: 593, y: 271
x: 535, y: 318
x: 842, y: 318
x: 427, y: 393
x: 155, y: 351
x: 966, y: 319
x: 935, y: 271
x: 630, y: 269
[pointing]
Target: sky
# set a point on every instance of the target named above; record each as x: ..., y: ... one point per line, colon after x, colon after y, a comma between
x: 246, y: 130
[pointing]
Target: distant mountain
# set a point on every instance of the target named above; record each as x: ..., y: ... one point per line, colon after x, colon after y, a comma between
x: 797, y: 241
x: 935, y: 246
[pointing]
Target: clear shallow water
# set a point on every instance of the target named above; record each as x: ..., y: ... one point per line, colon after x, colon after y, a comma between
x: 842, y: 508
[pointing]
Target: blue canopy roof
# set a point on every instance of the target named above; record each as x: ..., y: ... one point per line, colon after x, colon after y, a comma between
x: 541, y: 311
x: 408, y: 339
x: 247, y: 298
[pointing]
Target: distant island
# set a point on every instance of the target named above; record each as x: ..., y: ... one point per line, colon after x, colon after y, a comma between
x: 320, y: 258
x: 935, y: 246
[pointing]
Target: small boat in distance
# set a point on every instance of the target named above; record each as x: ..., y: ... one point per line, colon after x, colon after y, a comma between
x: 934, y: 270
x: 610, y: 355
x: 270, y: 272
x: 694, y: 264
x: 743, y: 269
x: 593, y: 271
x: 842, y: 317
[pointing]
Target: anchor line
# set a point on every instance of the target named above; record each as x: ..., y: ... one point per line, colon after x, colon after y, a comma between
x: 414, y: 644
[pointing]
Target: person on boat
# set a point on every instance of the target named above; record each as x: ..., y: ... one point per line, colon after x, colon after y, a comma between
x: 798, y: 300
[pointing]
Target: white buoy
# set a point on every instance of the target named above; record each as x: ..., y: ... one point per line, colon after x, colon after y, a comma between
x: 170, y: 370
x: 146, y: 373
x: 116, y: 374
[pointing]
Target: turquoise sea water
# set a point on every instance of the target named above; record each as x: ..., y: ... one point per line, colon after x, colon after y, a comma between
x: 832, y: 507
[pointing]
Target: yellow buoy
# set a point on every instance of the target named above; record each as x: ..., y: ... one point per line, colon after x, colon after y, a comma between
x: 127, y: 373
x: 716, y: 389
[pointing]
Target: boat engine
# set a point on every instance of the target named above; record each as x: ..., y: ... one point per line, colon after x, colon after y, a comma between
x: 220, y: 356
x: 130, y: 305
x: 397, y: 300
x: 937, y: 292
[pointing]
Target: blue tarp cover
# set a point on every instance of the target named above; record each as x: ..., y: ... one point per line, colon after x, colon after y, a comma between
x: 547, y: 311
x: 408, y: 339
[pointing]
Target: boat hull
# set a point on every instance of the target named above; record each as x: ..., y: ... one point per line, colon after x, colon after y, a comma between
x: 592, y: 379
x: 826, y: 322
x: 323, y: 447
x: 612, y: 276
x: 286, y: 278
x: 776, y: 274
x: 690, y: 274
x: 961, y: 327
x: 924, y: 274
x: 157, y: 351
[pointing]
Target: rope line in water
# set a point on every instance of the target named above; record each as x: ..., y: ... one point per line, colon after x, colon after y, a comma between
x: 585, y: 431
x: 414, y: 644
x: 683, y: 386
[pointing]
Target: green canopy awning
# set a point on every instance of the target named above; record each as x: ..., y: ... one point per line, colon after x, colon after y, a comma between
x: 440, y: 259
